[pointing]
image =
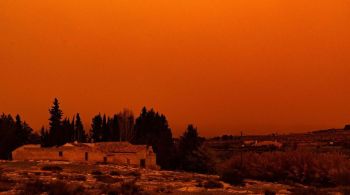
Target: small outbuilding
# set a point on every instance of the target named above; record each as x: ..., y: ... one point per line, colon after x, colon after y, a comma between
x: 122, y: 153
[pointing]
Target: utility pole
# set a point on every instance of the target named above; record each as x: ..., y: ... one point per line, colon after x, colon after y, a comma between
x: 242, y: 146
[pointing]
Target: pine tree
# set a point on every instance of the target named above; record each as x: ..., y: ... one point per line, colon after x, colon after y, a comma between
x: 67, y: 131
x: 192, y: 155
x: 96, y: 128
x: 44, y: 141
x: 56, y: 135
x: 114, y: 126
x: 13, y: 134
x: 73, y: 131
x: 79, y: 130
x: 152, y: 129
x: 104, y: 128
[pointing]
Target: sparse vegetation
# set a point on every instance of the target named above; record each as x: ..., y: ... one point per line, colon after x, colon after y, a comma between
x: 134, y: 173
x: 130, y: 188
x: 5, y: 183
x: 125, y: 188
x: 51, y: 168
x: 211, y: 184
x: 269, y: 192
x: 232, y: 176
x: 96, y: 172
x: 330, y: 169
x: 114, y: 173
x: 54, y: 188
x: 107, y: 179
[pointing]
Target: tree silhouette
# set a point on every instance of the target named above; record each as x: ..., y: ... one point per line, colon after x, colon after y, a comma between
x: 13, y: 134
x: 114, y: 127
x: 96, y: 131
x: 105, y: 129
x: 56, y: 135
x: 126, y: 122
x: 192, y: 155
x: 66, y: 131
x: 44, y: 137
x: 152, y: 129
x: 79, y: 130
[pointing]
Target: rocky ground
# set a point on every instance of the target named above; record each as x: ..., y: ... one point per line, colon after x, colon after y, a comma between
x: 73, y: 178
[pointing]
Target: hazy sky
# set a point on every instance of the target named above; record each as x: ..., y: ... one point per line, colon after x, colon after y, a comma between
x: 225, y: 65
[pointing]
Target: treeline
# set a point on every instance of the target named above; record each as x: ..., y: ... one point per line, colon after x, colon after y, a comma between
x: 149, y: 128
x: 14, y: 133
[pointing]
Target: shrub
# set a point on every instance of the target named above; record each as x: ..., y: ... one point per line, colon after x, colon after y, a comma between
x: 51, y: 168
x: 106, y: 179
x: 55, y: 188
x: 213, y: 184
x: 78, y: 177
x: 130, y: 188
x: 164, y: 189
x: 134, y: 173
x: 5, y: 186
x: 308, y: 191
x: 233, y: 177
x: 270, y: 192
x: 6, y: 183
x: 126, y: 188
x: 328, y: 169
x: 96, y: 172
x: 59, y: 188
x: 114, y: 173
x: 34, y: 187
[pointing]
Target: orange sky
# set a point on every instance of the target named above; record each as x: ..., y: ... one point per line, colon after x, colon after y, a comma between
x: 225, y: 65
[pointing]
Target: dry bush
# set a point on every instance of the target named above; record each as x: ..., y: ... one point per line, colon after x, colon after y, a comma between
x: 328, y: 169
x: 78, y: 177
x: 33, y: 187
x: 107, y: 179
x: 129, y: 188
x: 6, y: 183
x: 269, y: 192
x: 115, y: 173
x: 307, y: 191
x: 96, y: 172
x: 59, y: 188
x: 5, y: 186
x: 211, y: 184
x: 164, y: 189
x: 134, y: 173
x: 54, y: 188
x: 73, y: 177
x: 126, y: 188
x: 233, y: 177
x: 51, y: 168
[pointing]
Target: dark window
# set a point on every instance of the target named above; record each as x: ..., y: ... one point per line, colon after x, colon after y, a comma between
x: 142, y: 163
x: 105, y: 159
x: 86, y: 156
x: 60, y: 153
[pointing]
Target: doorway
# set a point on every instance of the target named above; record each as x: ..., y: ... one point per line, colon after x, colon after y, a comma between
x: 143, y: 163
x: 86, y: 156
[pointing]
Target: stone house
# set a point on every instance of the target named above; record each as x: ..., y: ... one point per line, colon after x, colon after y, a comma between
x: 122, y: 153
